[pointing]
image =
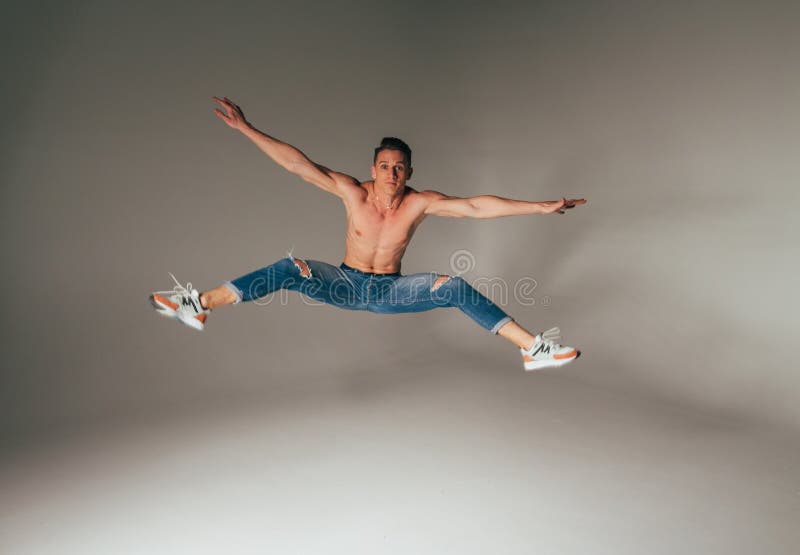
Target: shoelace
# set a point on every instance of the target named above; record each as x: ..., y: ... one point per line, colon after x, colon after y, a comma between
x: 179, y: 289
x: 549, y: 337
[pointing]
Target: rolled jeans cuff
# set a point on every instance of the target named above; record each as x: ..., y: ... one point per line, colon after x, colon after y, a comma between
x: 235, y: 290
x: 500, y: 324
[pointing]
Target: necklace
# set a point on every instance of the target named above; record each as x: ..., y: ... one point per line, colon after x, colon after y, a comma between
x: 387, y: 205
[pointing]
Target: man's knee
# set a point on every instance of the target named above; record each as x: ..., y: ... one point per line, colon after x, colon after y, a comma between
x: 440, y: 281
x: 302, y: 266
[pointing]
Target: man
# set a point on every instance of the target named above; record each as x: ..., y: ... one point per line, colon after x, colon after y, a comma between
x: 382, y: 216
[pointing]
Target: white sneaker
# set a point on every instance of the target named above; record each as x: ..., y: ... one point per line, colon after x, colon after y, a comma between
x: 182, y: 304
x: 546, y: 353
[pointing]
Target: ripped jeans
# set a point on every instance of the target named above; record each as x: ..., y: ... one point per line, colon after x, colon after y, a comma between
x: 353, y: 289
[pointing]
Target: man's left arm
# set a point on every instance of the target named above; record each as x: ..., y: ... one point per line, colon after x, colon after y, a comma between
x: 490, y: 206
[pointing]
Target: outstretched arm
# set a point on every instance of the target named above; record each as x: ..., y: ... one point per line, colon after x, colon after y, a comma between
x: 490, y: 206
x: 284, y: 154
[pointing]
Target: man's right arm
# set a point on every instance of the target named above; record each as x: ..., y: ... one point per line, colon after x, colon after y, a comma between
x: 284, y: 154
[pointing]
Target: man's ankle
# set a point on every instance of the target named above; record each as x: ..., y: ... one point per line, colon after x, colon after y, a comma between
x: 532, y: 342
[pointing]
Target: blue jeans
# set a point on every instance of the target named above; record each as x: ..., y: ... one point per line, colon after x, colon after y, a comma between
x: 353, y: 289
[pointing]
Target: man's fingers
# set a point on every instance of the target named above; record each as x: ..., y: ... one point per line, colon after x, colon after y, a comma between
x: 221, y: 103
x: 573, y: 202
x: 221, y: 115
x: 233, y: 104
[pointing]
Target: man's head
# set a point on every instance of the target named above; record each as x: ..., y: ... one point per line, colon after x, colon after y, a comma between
x: 391, y: 164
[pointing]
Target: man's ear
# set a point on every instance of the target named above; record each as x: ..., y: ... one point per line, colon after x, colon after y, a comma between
x: 373, y: 172
x: 410, y: 173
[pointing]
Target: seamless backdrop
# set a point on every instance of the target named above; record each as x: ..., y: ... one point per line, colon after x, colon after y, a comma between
x: 678, y: 121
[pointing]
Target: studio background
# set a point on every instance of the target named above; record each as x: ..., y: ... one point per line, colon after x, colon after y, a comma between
x: 298, y: 428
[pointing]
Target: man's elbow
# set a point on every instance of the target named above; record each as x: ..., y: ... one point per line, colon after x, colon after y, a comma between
x: 297, y: 166
x: 478, y: 208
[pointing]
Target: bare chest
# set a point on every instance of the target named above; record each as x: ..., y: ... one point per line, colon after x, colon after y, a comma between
x: 368, y: 225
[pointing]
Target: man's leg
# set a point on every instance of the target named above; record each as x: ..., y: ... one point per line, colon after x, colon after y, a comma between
x: 460, y: 294
x: 470, y: 301
x: 419, y: 292
x: 518, y: 335
x: 220, y: 296
x: 317, y: 280
x: 540, y: 351
x: 426, y: 291
x: 281, y: 274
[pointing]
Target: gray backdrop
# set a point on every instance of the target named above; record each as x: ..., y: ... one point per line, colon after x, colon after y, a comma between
x: 299, y: 428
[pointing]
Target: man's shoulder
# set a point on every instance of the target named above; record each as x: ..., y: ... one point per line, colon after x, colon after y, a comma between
x: 351, y: 185
x: 412, y: 194
x: 420, y: 201
x: 430, y: 195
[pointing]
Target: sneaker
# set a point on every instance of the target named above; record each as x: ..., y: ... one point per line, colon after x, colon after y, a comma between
x: 182, y: 304
x: 546, y: 353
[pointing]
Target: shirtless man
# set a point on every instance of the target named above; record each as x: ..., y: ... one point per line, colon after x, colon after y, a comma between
x: 382, y: 216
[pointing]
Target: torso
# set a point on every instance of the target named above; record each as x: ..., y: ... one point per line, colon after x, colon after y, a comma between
x: 376, y: 238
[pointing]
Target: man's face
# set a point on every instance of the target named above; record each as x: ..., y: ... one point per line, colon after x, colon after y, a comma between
x: 391, y: 169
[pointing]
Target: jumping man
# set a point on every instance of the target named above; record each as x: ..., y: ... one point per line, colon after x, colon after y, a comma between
x: 382, y: 215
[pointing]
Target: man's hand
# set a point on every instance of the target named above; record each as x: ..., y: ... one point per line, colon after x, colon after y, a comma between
x: 230, y: 113
x: 560, y: 206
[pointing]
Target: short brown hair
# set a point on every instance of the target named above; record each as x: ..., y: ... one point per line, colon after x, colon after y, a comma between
x: 393, y: 143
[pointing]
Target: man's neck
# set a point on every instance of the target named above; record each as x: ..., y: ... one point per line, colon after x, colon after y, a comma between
x: 387, y: 198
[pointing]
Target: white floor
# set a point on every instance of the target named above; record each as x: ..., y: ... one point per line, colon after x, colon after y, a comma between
x: 476, y: 461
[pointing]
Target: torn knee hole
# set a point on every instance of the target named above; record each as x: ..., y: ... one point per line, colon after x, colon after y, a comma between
x: 302, y: 265
x: 441, y: 280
